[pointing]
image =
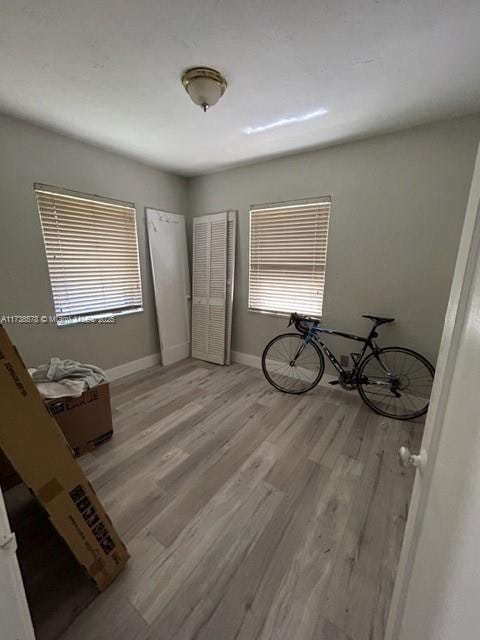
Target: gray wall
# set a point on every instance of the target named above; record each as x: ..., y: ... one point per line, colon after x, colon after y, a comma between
x: 31, y: 154
x: 398, y: 207
x: 398, y: 203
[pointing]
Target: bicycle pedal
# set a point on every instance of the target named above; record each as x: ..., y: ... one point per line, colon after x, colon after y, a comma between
x: 333, y: 382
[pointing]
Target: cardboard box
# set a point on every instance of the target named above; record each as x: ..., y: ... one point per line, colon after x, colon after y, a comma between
x: 85, y: 421
x: 8, y: 476
x: 37, y: 449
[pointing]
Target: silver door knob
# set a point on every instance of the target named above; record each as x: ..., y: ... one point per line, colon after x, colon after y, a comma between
x: 408, y: 459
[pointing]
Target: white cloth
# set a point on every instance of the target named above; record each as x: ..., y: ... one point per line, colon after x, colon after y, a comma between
x: 58, y: 378
x: 66, y: 387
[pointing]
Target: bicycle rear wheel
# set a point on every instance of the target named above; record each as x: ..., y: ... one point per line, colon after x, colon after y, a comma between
x: 396, y: 383
x: 289, y: 373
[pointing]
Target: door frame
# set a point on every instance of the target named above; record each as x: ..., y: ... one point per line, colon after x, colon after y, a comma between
x: 460, y: 292
x: 16, y: 624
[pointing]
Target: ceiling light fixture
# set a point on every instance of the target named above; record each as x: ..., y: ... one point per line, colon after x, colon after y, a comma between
x: 285, y: 121
x: 205, y: 86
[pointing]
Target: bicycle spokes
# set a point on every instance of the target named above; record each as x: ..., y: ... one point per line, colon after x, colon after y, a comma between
x: 397, y: 383
x: 291, y: 364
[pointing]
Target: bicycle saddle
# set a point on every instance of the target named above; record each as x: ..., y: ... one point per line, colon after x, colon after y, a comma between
x: 379, y: 320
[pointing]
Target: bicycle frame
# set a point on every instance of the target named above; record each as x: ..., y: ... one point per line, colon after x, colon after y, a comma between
x: 368, y: 343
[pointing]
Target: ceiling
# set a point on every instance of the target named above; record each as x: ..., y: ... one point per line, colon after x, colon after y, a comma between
x: 108, y: 72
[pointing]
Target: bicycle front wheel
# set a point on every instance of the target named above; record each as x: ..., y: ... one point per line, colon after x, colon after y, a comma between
x: 396, y: 383
x: 292, y: 365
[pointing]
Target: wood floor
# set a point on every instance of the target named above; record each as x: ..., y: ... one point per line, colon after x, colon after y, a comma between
x: 248, y: 514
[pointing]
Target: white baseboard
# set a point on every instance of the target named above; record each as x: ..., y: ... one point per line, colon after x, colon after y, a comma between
x: 255, y: 361
x: 132, y: 367
x: 247, y: 359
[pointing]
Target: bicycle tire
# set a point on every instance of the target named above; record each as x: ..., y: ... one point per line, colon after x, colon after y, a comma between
x: 268, y: 373
x: 410, y: 357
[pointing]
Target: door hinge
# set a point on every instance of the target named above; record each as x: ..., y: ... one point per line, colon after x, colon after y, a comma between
x: 8, y: 542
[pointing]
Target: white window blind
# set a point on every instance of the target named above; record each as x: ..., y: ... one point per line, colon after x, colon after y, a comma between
x: 92, y: 253
x: 288, y: 254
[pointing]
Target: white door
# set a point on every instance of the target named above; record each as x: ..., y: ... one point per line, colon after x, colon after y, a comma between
x: 14, y: 614
x: 437, y: 592
x: 171, y: 280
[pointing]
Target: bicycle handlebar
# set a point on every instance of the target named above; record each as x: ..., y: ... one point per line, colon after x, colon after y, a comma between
x: 301, y: 322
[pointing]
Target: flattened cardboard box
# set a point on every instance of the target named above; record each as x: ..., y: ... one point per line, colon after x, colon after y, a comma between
x: 36, y: 447
x: 8, y: 476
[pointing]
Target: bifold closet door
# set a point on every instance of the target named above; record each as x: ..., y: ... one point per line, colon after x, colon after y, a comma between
x: 209, y: 287
x: 213, y: 278
x: 231, y: 242
x: 171, y: 280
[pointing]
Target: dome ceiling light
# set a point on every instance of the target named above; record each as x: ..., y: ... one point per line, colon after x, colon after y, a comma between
x: 205, y: 86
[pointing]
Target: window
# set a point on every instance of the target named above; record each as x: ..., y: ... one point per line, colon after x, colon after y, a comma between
x: 92, y: 253
x: 288, y: 253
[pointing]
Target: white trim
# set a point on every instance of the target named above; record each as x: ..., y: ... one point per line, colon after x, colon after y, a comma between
x: 88, y: 318
x: 250, y: 360
x: 247, y: 358
x: 455, y: 319
x: 132, y: 367
x: 291, y: 204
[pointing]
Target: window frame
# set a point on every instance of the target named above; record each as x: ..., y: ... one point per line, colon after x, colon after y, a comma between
x: 286, y: 203
x: 72, y: 319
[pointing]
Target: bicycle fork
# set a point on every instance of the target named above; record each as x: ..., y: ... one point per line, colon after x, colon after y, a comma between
x: 307, y: 339
x: 299, y: 353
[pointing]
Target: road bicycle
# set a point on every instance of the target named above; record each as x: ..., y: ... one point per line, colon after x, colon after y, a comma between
x: 393, y: 381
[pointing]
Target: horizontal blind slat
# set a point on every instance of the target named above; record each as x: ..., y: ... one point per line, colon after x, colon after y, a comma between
x: 52, y: 233
x: 70, y: 203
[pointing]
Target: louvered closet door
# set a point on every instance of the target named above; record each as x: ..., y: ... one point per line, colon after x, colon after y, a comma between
x: 231, y: 241
x: 209, y: 287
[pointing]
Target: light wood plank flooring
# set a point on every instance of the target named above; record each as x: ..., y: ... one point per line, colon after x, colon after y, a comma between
x: 249, y: 514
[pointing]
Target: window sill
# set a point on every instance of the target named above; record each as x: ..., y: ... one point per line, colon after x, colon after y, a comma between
x: 273, y: 314
x: 96, y: 318
x: 278, y: 314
